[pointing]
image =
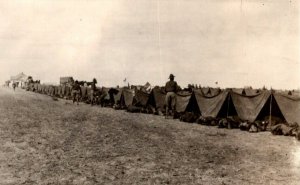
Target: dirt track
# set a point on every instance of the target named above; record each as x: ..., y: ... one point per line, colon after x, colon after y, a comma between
x: 54, y: 142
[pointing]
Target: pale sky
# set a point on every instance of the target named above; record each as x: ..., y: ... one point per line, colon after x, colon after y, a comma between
x: 237, y: 43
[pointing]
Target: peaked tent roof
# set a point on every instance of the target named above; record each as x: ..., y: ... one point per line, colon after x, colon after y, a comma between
x: 117, y: 97
x: 248, y: 107
x: 124, y: 96
x: 247, y: 91
x: 141, y: 98
x: 84, y: 90
x: 105, y: 92
x: 289, y: 106
x: 270, y: 108
x: 210, y: 105
x: 157, y: 98
x: 127, y: 97
x: 209, y: 91
x: 183, y: 98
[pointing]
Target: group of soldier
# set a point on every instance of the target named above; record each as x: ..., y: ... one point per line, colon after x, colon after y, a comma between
x: 171, y: 88
x: 76, y: 91
x: 14, y: 84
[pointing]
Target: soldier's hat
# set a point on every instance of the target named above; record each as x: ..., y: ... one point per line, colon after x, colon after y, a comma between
x: 171, y: 76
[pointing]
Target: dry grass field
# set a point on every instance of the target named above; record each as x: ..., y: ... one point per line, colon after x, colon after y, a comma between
x: 55, y: 142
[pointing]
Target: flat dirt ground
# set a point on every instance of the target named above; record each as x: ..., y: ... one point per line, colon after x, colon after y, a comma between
x: 55, y: 142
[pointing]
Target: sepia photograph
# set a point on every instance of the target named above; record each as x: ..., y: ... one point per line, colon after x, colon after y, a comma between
x: 150, y: 92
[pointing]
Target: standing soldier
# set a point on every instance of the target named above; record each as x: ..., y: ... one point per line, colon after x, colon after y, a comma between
x: 171, y: 89
x: 93, y: 91
x: 14, y: 86
x: 76, y: 91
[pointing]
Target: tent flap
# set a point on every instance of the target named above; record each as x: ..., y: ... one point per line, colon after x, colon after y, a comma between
x: 210, y: 105
x: 289, y: 106
x: 248, y: 107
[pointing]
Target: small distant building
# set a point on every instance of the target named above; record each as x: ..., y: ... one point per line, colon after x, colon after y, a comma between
x: 66, y: 80
x: 19, y: 79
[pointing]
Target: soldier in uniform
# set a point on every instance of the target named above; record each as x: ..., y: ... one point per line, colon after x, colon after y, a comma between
x: 171, y: 89
x: 76, y: 92
x: 14, y: 85
x: 93, y: 91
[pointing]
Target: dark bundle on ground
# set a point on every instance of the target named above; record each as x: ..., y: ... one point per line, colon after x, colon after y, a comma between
x: 159, y: 112
x: 86, y: 100
x: 189, y: 117
x: 257, y: 126
x: 148, y: 110
x: 274, y: 121
x: 245, y: 126
x: 97, y: 98
x: 296, y: 129
x: 207, y: 121
x: 134, y: 109
x: 230, y: 122
x: 254, y: 128
x: 285, y: 129
x: 176, y: 115
x: 223, y: 123
x: 117, y: 107
x: 105, y: 102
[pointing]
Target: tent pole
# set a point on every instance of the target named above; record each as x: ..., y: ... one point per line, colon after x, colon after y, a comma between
x: 228, y: 106
x: 270, y: 117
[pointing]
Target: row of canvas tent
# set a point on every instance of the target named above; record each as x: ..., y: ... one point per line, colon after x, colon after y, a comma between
x: 247, y: 104
x: 250, y: 105
x: 62, y: 91
x: 51, y: 90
